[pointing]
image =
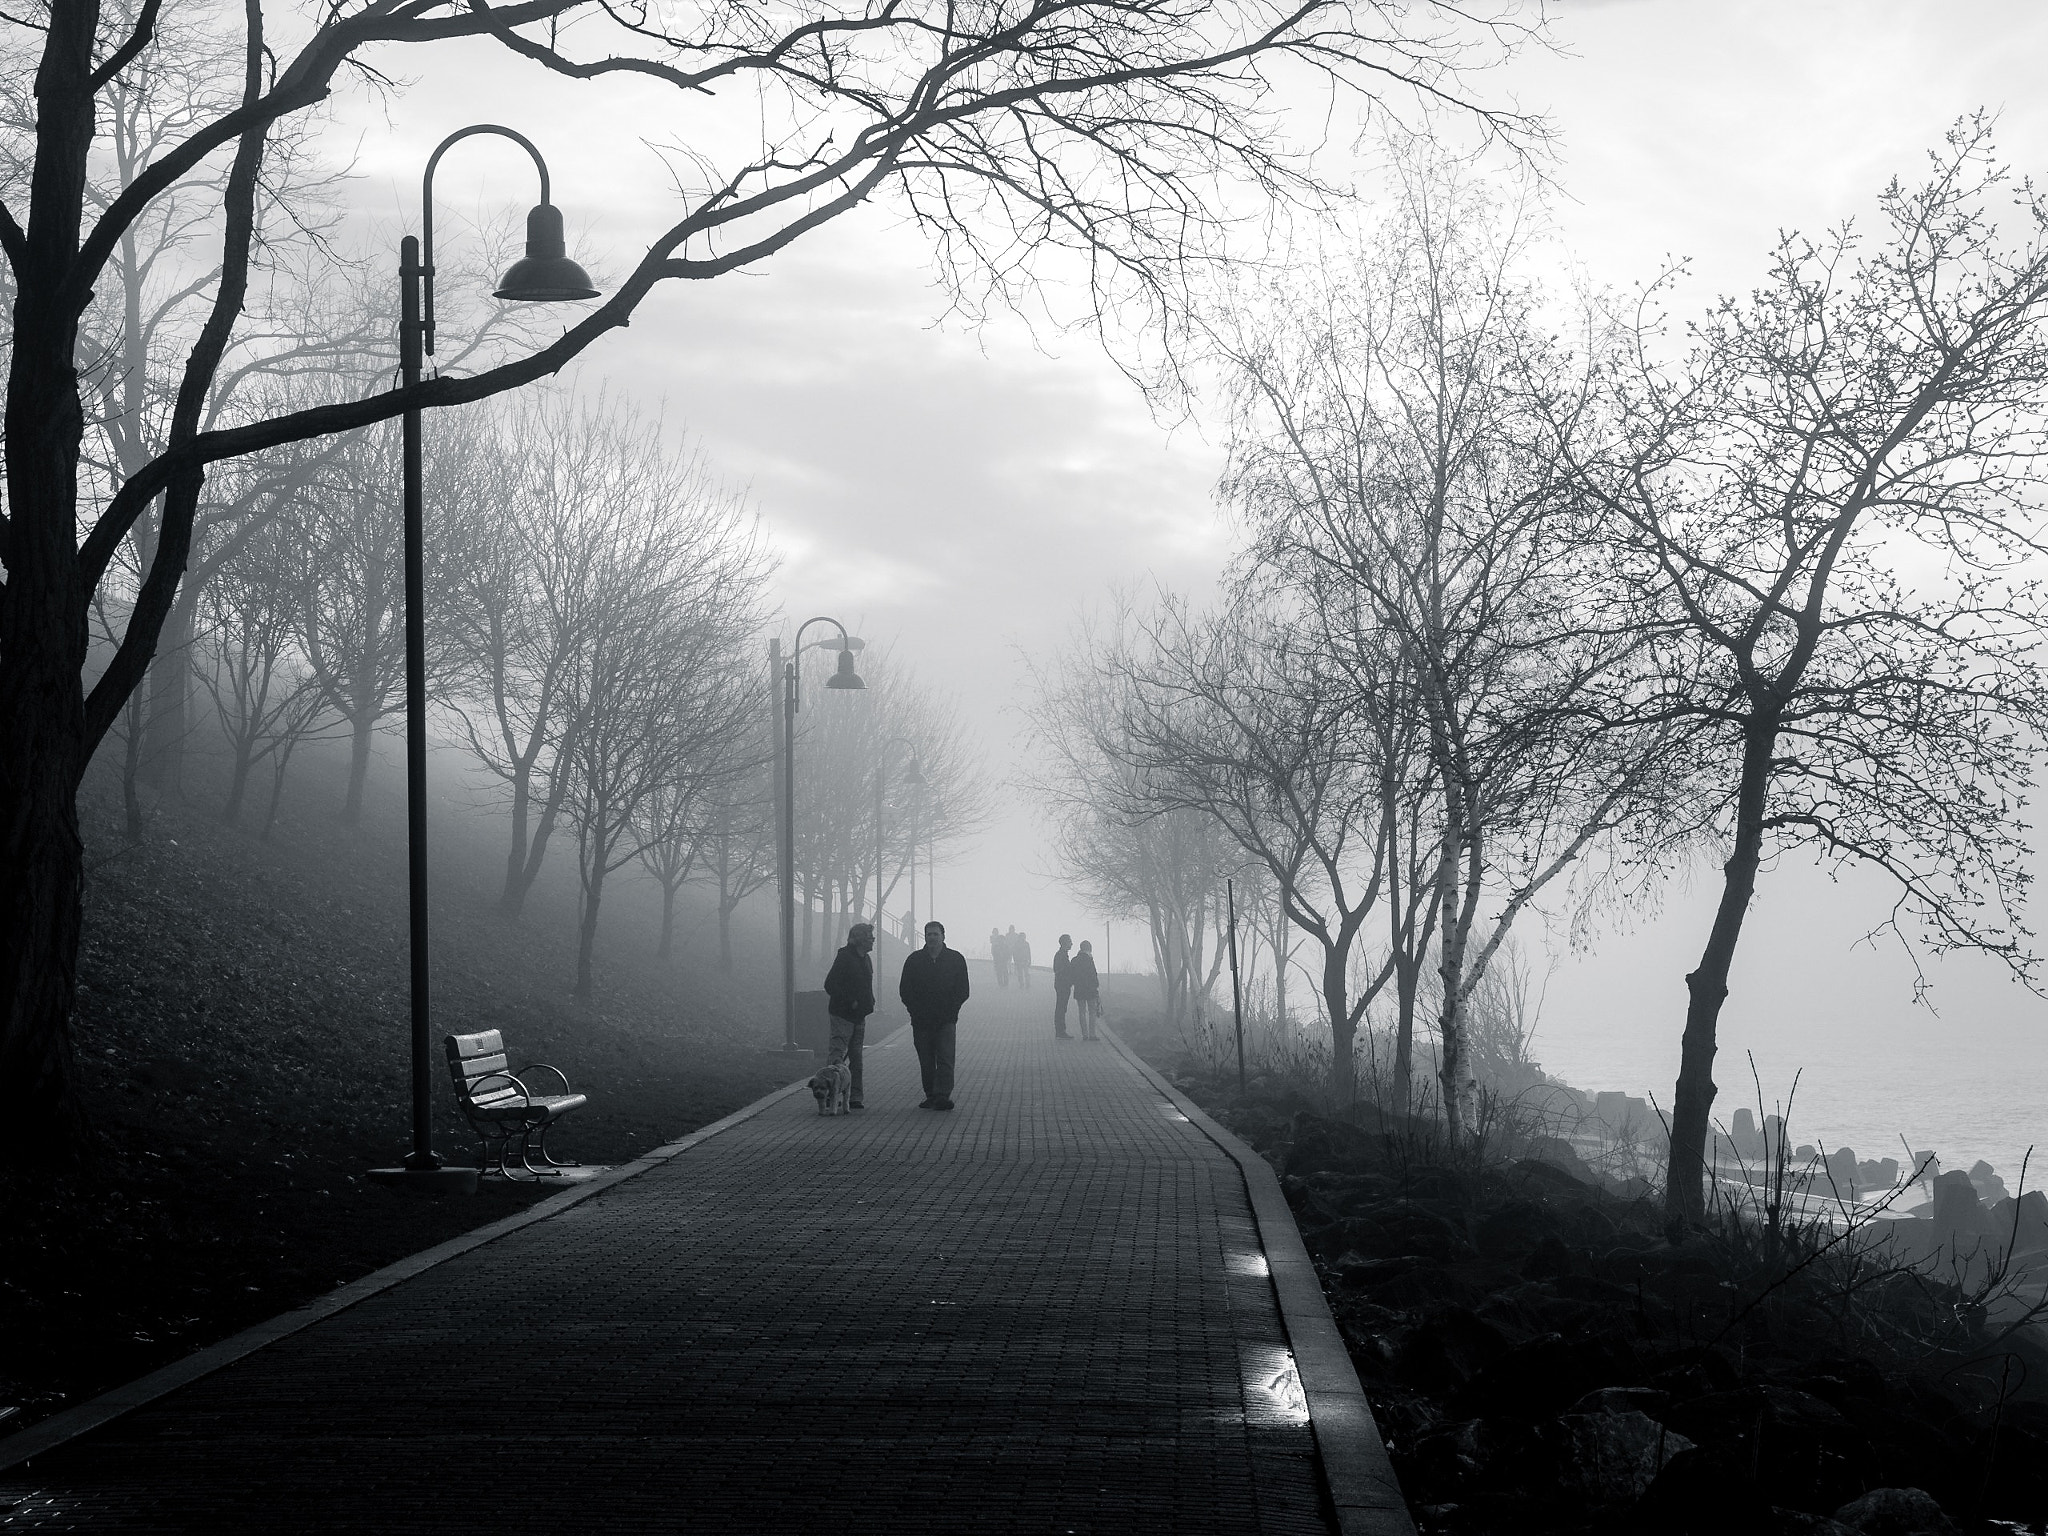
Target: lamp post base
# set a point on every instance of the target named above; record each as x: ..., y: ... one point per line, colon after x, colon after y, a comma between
x: 428, y: 1181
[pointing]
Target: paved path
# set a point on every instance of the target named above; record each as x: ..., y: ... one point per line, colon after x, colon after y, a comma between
x: 1045, y: 1312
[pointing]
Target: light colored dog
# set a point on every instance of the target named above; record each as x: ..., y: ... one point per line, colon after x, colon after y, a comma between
x: 831, y: 1087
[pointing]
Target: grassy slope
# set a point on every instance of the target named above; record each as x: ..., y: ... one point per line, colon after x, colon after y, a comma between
x: 242, y: 1055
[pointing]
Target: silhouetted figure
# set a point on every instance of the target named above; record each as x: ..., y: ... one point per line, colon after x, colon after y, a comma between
x: 1062, y: 986
x: 933, y: 988
x: 1087, y: 989
x: 999, y: 956
x: 850, y: 994
x: 1020, y: 958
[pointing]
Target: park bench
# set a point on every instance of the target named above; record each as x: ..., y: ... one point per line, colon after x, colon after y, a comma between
x: 500, y: 1107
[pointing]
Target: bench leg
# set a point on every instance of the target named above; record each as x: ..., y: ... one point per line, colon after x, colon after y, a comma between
x: 541, y: 1146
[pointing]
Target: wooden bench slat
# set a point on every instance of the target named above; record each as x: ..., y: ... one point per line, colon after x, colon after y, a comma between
x: 479, y: 1066
x: 488, y: 1042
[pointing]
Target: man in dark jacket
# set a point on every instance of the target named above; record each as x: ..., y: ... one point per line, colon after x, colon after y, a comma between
x: 1062, y: 986
x: 933, y: 988
x: 850, y: 994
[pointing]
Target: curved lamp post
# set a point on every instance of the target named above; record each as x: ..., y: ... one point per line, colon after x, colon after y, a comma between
x: 915, y: 778
x: 843, y: 677
x: 545, y: 276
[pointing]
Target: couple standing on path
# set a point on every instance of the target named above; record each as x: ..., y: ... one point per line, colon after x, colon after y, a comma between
x: 1010, y: 953
x: 933, y: 989
x: 1075, y: 974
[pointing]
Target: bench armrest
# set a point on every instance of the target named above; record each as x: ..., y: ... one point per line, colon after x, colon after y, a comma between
x: 541, y: 1066
x: 469, y: 1090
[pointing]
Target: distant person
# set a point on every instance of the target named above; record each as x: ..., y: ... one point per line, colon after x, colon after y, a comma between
x: 850, y: 994
x: 1087, y: 989
x: 1062, y: 986
x: 1020, y: 958
x: 933, y: 989
x: 999, y: 956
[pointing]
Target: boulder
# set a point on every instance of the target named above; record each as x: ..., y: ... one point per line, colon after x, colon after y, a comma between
x: 1896, y: 1512
x: 1612, y: 1458
x: 1958, y: 1213
x: 1989, y: 1186
x: 1647, y: 1400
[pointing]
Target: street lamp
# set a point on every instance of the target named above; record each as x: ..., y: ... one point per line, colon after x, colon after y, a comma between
x: 545, y: 276
x: 843, y: 677
x: 915, y: 779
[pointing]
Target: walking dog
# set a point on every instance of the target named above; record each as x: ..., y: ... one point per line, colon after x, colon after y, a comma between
x: 831, y: 1087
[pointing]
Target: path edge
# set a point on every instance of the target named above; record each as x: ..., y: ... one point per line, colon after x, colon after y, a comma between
x: 1357, y: 1473
x: 40, y: 1438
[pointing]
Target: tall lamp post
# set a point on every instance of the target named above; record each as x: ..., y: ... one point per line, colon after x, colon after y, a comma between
x: 546, y: 275
x: 915, y: 779
x: 843, y: 677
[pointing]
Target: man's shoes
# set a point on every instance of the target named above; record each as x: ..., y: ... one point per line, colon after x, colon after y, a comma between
x: 929, y: 1104
x: 942, y: 1103
x: 1063, y: 1035
x: 856, y: 1106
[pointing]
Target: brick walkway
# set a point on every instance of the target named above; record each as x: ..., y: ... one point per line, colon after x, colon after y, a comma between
x: 1044, y: 1312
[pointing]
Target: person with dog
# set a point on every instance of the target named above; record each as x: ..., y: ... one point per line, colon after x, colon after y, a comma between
x: 850, y: 996
x: 933, y: 989
x: 1087, y: 989
x: 1062, y: 986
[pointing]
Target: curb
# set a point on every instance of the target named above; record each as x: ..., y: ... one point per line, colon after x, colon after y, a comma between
x: 1357, y: 1472
x: 40, y: 1438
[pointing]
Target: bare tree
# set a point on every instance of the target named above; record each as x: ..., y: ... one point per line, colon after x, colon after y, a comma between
x: 1827, y: 520
x: 1229, y: 715
x: 662, y: 684
x: 1112, y: 132
x: 1394, y: 456
x: 1122, y: 844
x: 265, y: 697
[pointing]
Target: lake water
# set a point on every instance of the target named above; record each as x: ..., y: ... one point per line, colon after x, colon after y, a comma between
x: 1967, y: 1079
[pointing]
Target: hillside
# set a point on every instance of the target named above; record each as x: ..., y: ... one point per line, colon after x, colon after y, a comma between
x: 242, y: 1051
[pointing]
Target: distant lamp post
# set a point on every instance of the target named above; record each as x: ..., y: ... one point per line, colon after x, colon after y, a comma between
x: 844, y: 676
x: 545, y: 276
x: 915, y: 779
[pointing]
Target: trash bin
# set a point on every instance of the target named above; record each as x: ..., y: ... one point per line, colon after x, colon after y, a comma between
x: 814, y: 1022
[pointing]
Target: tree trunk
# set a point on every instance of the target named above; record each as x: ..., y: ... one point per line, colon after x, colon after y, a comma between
x: 42, y: 876
x: 1407, y: 980
x: 170, y: 696
x: 131, y: 768
x: 514, y: 895
x: 668, y: 919
x: 593, y: 893
x: 362, y: 726
x: 237, y: 786
x: 1343, y: 1028
x: 725, y: 938
x: 1692, y: 1102
x: 520, y: 878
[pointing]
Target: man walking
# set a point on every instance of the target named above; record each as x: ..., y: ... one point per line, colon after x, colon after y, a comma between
x: 850, y: 994
x: 1020, y: 957
x: 933, y: 988
x: 1062, y: 986
x: 999, y: 956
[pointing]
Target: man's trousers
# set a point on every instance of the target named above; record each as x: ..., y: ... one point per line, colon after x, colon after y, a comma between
x: 1060, y: 994
x: 935, y: 1056
x: 847, y: 1038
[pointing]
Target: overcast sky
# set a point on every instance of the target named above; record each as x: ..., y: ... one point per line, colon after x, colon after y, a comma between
x: 964, y: 493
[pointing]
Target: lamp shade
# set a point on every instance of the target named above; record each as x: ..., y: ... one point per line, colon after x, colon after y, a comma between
x: 845, y: 677
x: 914, y: 776
x: 545, y: 275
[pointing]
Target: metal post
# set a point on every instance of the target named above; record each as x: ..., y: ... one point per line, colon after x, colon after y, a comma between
x: 1236, y: 997
x: 789, y: 854
x: 410, y: 363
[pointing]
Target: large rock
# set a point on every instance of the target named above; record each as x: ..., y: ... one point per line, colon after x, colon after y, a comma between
x: 1989, y: 1186
x: 1896, y: 1512
x: 1612, y: 1458
x: 1958, y: 1213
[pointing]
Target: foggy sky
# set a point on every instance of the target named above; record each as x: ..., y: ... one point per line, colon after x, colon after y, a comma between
x: 963, y: 494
